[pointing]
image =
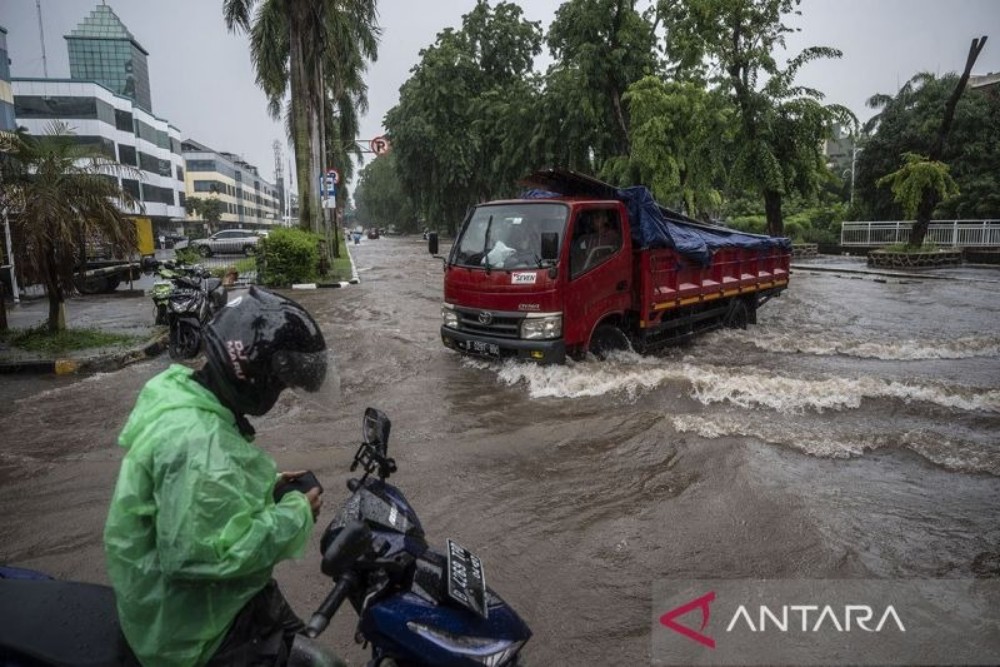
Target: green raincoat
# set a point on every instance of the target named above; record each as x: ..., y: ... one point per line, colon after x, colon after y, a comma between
x: 193, y: 531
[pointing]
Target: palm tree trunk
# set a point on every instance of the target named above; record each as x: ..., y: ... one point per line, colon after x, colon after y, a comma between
x: 300, y: 132
x: 54, y: 292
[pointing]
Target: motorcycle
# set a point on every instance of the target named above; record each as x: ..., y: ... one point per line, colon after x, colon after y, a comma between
x: 415, y: 606
x: 187, y: 298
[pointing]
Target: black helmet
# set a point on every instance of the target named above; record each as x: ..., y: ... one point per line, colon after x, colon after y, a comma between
x: 259, y: 344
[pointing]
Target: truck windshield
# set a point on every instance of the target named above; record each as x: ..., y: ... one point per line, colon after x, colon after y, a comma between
x: 514, y: 238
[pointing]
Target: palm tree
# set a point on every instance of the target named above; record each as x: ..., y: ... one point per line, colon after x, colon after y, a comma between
x: 62, y: 193
x: 316, y: 50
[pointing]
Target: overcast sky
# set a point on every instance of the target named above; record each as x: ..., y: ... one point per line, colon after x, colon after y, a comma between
x: 202, y: 82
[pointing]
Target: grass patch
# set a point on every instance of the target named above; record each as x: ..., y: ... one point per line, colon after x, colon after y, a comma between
x: 340, y: 270
x: 39, y: 340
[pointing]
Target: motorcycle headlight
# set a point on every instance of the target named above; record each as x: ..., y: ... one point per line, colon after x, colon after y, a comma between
x: 542, y: 326
x: 449, y: 317
x: 484, y: 650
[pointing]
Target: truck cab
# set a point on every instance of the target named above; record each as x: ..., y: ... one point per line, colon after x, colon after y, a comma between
x: 525, y: 277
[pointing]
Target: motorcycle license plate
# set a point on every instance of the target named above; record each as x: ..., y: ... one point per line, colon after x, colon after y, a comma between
x: 466, y: 581
x: 481, y: 347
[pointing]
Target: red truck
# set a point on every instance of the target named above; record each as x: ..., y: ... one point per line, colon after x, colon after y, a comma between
x: 581, y: 266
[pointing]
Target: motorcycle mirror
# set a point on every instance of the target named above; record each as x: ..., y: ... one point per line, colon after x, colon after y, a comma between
x: 375, y: 426
x: 432, y: 243
x: 550, y: 245
x: 350, y: 544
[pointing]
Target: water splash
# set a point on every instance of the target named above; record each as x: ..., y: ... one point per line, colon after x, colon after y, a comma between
x: 632, y: 375
x: 816, y: 439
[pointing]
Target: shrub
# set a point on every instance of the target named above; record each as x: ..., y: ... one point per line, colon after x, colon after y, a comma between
x: 289, y: 256
x: 187, y: 256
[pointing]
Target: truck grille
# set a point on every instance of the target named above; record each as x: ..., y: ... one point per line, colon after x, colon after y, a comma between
x: 489, y: 323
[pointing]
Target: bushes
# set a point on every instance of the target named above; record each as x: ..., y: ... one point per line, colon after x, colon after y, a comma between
x: 289, y: 256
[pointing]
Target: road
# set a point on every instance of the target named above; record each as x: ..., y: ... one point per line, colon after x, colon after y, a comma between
x: 851, y: 434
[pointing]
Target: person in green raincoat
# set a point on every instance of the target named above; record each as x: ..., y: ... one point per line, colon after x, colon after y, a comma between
x: 194, y: 530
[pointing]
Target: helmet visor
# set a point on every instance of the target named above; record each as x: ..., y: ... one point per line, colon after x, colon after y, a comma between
x: 311, y: 375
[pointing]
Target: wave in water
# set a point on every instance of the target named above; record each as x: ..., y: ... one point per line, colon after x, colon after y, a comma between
x: 952, y: 453
x: 632, y: 375
x: 965, y: 347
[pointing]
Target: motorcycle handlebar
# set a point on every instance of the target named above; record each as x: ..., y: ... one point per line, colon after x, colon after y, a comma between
x: 321, y: 618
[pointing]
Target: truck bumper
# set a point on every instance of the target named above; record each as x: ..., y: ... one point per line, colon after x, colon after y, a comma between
x: 492, y: 347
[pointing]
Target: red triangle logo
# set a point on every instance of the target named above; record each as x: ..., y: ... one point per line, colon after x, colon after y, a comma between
x: 698, y: 603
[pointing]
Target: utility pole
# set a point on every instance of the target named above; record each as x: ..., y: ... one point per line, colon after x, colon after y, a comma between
x: 41, y: 35
x: 279, y: 177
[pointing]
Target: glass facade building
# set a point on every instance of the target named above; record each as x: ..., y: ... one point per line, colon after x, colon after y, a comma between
x: 102, y: 49
x: 7, y: 123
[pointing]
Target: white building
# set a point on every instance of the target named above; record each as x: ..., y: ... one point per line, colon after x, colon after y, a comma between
x: 118, y: 127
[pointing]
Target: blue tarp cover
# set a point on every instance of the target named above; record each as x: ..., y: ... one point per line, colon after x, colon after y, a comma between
x: 657, y: 228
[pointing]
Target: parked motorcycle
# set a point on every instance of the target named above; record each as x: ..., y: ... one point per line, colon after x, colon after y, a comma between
x: 416, y: 606
x: 186, y: 298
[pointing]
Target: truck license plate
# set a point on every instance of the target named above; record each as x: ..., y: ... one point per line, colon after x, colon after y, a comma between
x: 481, y: 347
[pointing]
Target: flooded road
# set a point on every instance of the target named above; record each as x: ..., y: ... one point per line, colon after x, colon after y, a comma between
x: 855, y: 432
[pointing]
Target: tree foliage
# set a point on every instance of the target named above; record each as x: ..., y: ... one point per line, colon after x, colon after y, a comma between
x: 906, y: 123
x: 208, y: 209
x: 461, y: 129
x: 62, y: 195
x: 380, y: 197
x: 780, y: 126
x: 915, y: 178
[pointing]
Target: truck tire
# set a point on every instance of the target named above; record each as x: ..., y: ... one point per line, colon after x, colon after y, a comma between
x: 738, y: 316
x: 606, y: 339
x: 92, y: 285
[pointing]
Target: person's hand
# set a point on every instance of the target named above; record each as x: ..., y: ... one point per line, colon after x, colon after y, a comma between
x: 315, y: 498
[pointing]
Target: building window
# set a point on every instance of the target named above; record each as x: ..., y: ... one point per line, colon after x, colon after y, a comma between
x: 201, y: 165
x: 127, y: 155
x: 132, y: 187
x: 124, y: 122
x: 180, y: 173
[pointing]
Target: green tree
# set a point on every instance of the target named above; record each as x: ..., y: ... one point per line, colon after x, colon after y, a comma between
x: 62, y: 194
x: 380, y: 197
x: 780, y: 126
x: 680, y: 136
x: 315, y: 51
x: 918, y: 176
x: 208, y: 209
x: 461, y: 130
x: 911, y: 122
x: 601, y: 47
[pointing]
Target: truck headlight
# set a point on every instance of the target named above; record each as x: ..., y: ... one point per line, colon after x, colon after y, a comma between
x: 449, y: 317
x: 536, y: 327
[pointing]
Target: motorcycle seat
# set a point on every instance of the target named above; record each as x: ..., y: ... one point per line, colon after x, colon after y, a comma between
x: 59, y: 623
x: 212, y: 283
x: 186, y: 281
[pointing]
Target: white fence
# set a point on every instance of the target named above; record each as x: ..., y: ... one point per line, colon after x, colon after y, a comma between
x: 956, y: 233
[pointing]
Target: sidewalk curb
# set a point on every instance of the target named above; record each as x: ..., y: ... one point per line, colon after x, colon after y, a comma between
x: 103, y: 363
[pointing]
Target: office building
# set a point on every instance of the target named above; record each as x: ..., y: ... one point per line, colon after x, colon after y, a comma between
x: 102, y: 49
x: 248, y: 200
x: 116, y: 126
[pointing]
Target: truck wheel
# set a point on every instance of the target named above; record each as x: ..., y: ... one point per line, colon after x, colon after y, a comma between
x: 738, y: 316
x: 113, y: 283
x: 92, y: 285
x: 204, y: 251
x: 606, y: 339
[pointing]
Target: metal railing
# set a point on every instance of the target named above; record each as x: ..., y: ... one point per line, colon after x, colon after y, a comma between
x: 954, y: 233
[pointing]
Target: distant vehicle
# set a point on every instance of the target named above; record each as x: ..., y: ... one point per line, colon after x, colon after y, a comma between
x: 227, y: 242
x: 373, y: 233
x: 172, y: 241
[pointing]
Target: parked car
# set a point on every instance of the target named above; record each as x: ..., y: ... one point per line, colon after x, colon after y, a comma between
x: 228, y: 241
x: 176, y: 241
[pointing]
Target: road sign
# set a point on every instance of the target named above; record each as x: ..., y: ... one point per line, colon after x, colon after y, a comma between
x: 328, y: 184
x: 379, y: 145
x: 335, y: 174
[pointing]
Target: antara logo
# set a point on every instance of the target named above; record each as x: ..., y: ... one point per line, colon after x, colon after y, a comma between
x: 698, y: 603
x: 786, y: 618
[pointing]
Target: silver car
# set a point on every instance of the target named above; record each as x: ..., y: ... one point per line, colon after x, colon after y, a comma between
x: 227, y: 242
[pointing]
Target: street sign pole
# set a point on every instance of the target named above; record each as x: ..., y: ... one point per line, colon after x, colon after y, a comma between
x: 10, y: 258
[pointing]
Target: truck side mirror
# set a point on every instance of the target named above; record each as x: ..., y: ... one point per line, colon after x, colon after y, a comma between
x: 550, y: 245
x: 432, y: 243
